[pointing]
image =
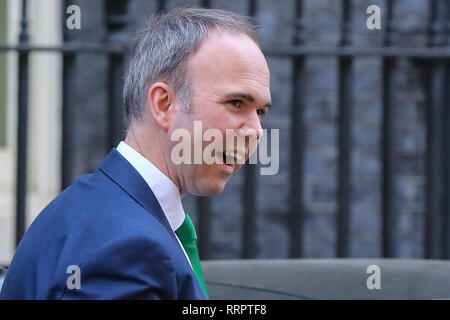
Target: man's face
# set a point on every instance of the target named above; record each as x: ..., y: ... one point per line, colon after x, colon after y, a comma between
x: 230, y: 84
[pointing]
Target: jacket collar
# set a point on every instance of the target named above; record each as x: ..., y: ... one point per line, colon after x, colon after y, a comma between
x: 118, y: 169
x: 165, y: 191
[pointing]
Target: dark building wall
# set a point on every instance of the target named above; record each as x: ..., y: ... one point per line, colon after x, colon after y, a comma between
x: 276, y: 19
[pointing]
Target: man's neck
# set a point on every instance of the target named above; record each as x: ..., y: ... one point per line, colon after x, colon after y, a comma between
x: 154, y: 154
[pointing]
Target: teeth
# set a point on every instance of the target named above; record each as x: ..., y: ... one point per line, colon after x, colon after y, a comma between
x: 229, y: 157
x: 234, y: 157
x: 239, y: 158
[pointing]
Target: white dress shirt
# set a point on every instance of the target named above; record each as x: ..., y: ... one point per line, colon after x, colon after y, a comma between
x: 165, y: 191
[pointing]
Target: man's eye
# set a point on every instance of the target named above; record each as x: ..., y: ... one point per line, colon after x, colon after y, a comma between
x: 236, y: 103
x: 261, y: 112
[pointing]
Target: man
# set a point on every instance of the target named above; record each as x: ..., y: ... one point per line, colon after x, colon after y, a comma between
x: 115, y: 234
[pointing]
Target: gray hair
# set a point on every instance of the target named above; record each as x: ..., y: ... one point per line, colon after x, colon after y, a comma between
x: 164, y: 46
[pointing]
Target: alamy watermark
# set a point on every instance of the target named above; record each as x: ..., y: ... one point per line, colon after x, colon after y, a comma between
x: 374, y: 20
x: 374, y: 280
x: 74, y: 280
x: 73, y: 22
x: 235, y: 148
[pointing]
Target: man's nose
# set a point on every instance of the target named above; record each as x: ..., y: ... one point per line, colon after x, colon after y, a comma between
x: 252, y: 128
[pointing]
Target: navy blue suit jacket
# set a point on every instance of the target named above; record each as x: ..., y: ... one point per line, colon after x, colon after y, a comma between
x: 109, y: 225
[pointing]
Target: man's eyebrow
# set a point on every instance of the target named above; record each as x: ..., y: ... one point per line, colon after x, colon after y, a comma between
x: 245, y: 96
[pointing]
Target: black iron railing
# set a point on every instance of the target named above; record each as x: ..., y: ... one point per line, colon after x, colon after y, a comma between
x: 434, y: 58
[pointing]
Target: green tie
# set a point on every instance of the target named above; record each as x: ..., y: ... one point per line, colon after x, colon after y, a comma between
x: 186, y: 234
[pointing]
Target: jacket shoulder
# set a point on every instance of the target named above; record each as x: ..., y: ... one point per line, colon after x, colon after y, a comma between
x: 133, y: 266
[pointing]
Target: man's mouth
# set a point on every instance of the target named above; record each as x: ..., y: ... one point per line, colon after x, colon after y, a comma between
x: 230, y: 157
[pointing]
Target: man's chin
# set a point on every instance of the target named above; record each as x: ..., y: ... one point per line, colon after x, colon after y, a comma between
x: 209, y: 189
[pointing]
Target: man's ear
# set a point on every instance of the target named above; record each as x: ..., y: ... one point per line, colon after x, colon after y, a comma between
x: 160, y: 100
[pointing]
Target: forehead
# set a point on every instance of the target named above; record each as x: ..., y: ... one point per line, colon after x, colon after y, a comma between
x: 227, y: 62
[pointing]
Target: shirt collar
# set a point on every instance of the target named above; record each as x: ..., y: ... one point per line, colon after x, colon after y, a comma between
x: 166, y: 192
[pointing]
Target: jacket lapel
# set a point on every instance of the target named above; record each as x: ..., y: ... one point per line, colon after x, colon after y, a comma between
x: 116, y: 167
